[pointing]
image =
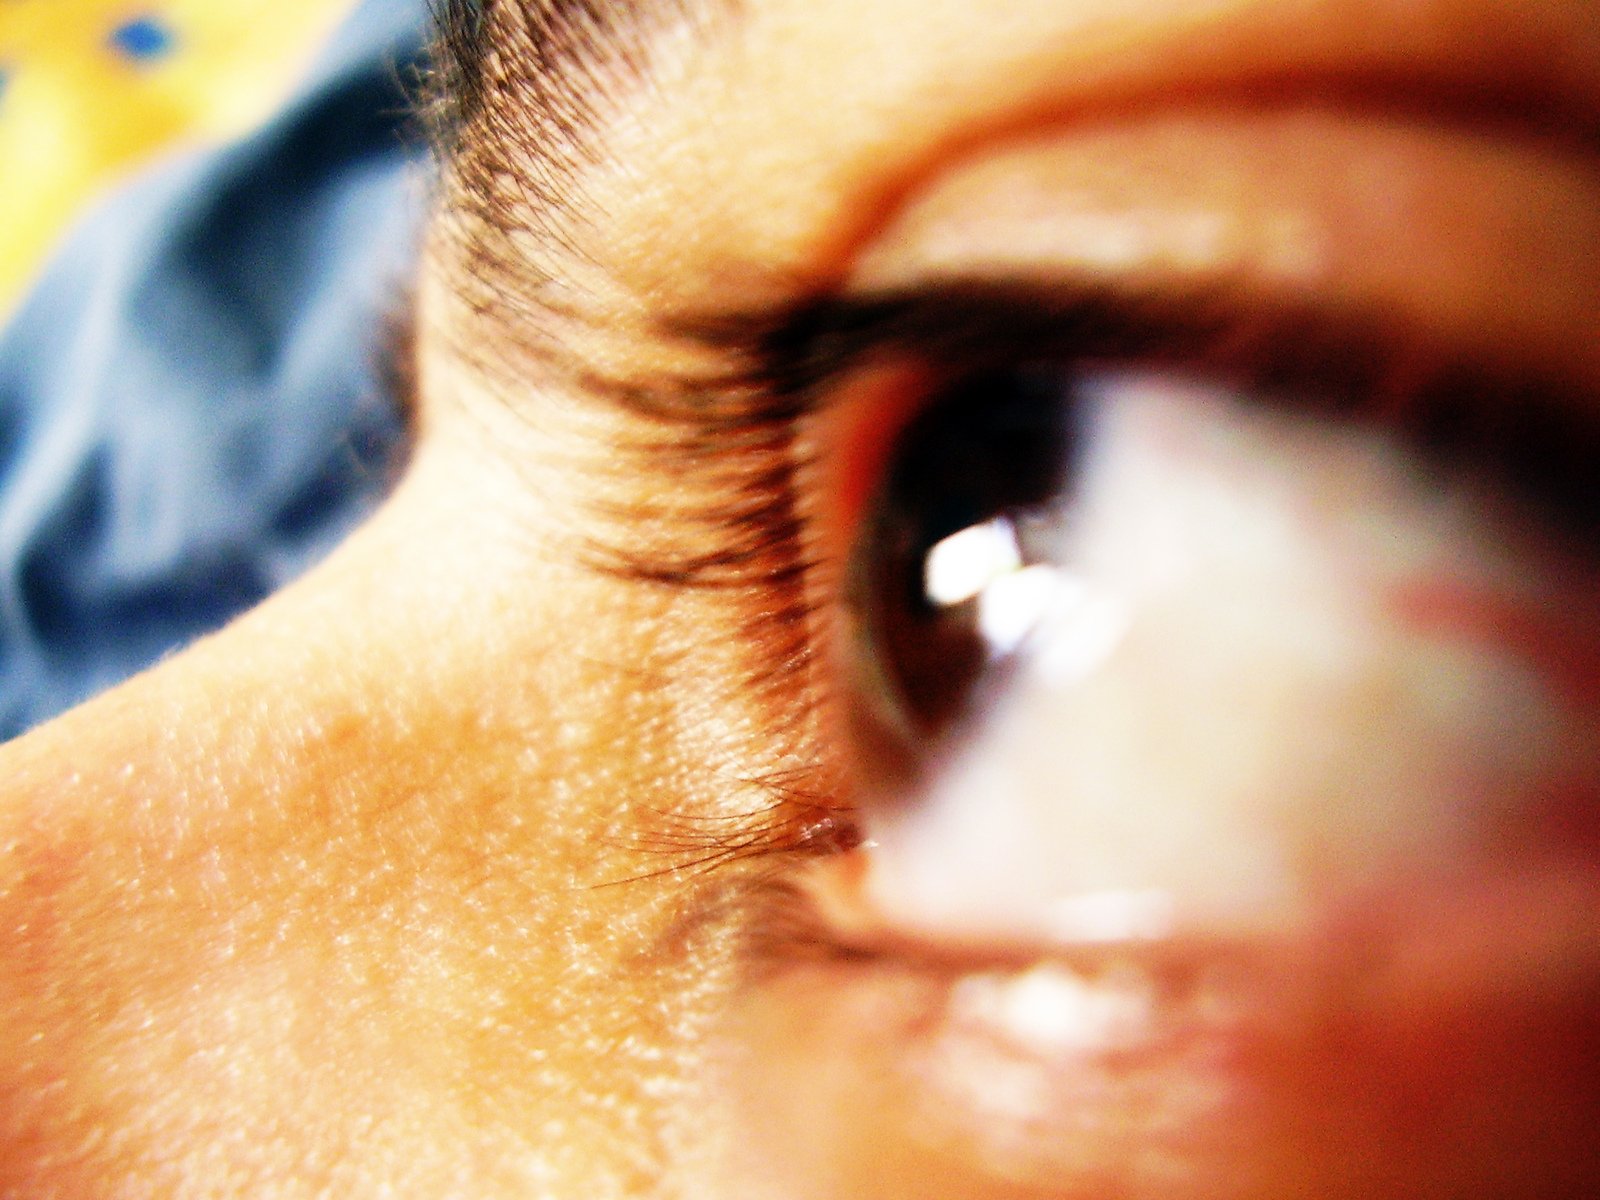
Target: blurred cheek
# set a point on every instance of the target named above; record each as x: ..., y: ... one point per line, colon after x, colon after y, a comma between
x: 323, y: 900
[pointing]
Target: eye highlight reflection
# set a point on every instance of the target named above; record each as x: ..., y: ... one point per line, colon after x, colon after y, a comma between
x: 950, y: 558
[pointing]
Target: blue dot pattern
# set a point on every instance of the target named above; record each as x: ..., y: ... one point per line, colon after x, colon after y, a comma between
x: 142, y: 39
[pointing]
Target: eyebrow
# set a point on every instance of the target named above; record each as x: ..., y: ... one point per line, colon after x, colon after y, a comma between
x: 517, y: 105
x: 547, y: 57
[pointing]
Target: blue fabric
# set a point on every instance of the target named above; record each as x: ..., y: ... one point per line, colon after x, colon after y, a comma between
x: 193, y: 404
x: 142, y: 39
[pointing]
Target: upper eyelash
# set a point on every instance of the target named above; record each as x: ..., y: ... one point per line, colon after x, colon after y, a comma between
x: 749, y: 431
x: 784, y: 363
x: 1522, y: 418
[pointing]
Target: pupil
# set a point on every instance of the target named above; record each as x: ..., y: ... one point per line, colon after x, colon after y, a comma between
x: 975, y: 482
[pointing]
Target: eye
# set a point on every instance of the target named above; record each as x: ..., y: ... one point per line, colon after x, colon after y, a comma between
x: 1085, y: 587
x: 992, y: 560
x: 979, y: 482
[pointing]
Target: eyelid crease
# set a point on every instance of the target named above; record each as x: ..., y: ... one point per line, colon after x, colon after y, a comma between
x: 1522, y: 417
x: 806, y: 348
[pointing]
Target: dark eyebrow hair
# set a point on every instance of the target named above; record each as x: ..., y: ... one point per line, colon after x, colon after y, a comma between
x: 517, y: 105
x: 550, y: 58
x: 455, y: 89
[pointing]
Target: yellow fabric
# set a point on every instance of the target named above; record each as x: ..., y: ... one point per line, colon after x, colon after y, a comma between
x: 83, y: 99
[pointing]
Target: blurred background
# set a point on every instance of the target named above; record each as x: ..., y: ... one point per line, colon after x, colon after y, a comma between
x: 209, y: 211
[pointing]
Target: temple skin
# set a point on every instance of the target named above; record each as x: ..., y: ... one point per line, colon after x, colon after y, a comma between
x: 331, y: 903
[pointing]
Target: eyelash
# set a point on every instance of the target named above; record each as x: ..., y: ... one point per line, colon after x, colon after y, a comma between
x: 785, y: 365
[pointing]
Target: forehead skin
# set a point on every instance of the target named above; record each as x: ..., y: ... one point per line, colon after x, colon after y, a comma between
x: 331, y: 904
x: 832, y: 139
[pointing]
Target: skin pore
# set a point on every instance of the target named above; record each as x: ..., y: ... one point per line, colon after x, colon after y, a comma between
x: 385, y: 889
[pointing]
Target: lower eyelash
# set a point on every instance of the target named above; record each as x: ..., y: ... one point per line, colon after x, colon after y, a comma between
x: 793, y: 822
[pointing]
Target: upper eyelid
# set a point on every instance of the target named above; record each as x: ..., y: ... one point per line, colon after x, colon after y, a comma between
x: 773, y: 366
